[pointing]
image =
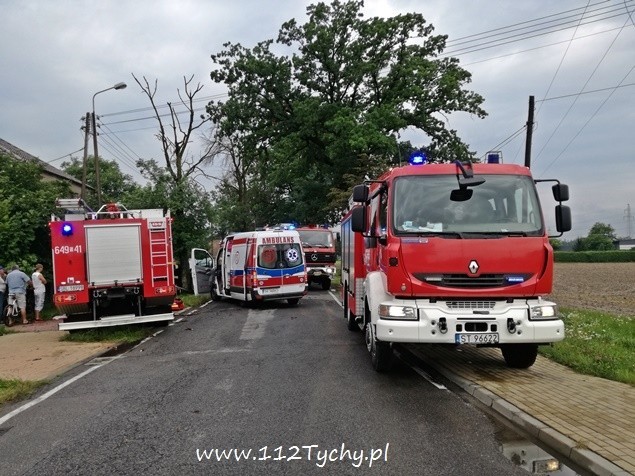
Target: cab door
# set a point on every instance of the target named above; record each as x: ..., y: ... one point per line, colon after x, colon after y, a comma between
x: 201, y: 264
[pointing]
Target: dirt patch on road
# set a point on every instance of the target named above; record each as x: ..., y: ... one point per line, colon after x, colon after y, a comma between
x: 606, y: 287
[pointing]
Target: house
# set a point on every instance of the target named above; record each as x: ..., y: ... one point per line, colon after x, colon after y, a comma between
x: 625, y: 243
x: 48, y: 171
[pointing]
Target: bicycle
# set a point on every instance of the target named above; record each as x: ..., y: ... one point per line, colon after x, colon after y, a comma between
x: 12, y: 311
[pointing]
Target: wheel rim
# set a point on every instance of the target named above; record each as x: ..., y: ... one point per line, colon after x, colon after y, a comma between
x: 370, y: 338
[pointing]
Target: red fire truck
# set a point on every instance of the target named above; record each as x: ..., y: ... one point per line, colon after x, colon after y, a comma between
x: 111, y: 267
x: 452, y: 254
x: 319, y: 251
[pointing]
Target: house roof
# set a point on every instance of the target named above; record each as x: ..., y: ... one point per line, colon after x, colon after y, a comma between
x: 19, y: 154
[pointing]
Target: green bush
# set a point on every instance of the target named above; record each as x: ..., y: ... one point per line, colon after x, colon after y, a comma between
x: 615, y: 256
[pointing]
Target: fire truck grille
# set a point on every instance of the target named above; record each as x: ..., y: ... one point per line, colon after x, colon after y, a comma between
x: 318, y: 257
x: 464, y: 281
x: 462, y: 305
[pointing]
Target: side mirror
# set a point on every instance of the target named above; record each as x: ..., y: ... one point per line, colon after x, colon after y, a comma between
x: 560, y: 192
x: 360, y: 193
x: 563, y: 218
x: 358, y: 220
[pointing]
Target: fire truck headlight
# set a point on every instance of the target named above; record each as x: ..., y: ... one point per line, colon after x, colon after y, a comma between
x: 388, y: 311
x: 544, y: 311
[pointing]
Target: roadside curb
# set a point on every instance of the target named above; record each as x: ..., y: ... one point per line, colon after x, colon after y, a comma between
x: 532, y: 426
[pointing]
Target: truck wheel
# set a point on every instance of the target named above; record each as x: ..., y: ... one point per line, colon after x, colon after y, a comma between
x: 326, y: 284
x: 350, y: 318
x: 293, y: 302
x: 519, y: 356
x: 213, y: 294
x: 380, y: 352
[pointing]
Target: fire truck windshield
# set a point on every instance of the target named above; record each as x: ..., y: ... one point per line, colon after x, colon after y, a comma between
x: 503, y: 205
x: 318, y: 238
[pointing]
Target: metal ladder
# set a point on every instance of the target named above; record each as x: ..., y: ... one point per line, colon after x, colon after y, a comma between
x: 159, y: 260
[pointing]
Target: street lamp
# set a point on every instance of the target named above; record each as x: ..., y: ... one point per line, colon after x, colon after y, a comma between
x: 94, y: 121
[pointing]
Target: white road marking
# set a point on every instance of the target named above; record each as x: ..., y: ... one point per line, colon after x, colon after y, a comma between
x: 256, y: 323
x: 51, y: 392
x: 337, y: 300
x: 424, y: 374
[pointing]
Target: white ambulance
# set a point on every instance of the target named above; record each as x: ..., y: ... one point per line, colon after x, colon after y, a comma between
x: 260, y: 266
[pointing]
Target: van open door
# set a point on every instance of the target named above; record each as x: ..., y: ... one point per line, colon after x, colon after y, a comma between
x: 201, y: 265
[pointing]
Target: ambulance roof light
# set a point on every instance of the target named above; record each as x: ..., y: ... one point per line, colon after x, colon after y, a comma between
x: 418, y: 157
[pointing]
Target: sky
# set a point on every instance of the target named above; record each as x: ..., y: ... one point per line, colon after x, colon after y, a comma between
x: 576, y: 57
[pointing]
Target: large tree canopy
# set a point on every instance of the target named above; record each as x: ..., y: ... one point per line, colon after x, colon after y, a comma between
x: 26, y: 205
x: 332, y: 112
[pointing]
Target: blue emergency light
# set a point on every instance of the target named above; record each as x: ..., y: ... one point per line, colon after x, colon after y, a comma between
x: 418, y: 157
x: 494, y: 157
x: 67, y: 229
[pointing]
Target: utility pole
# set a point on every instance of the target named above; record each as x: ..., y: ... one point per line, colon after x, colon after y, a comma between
x: 86, y: 133
x: 97, y: 181
x: 530, y: 131
x: 629, y: 219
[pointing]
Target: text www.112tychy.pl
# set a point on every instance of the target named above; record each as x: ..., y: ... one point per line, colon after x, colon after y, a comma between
x: 321, y: 457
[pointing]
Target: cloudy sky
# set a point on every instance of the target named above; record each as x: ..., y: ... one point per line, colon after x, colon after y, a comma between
x: 577, y: 57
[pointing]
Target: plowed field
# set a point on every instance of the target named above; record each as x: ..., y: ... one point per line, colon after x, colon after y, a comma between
x: 607, y: 287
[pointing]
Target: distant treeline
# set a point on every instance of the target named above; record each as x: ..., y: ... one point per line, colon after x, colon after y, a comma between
x: 616, y: 256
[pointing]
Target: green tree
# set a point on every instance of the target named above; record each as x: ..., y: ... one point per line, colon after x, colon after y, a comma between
x: 173, y: 183
x: 330, y: 114
x: 600, y: 238
x: 115, y: 185
x: 26, y: 205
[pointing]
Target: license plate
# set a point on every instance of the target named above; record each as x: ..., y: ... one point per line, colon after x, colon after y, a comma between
x: 269, y: 290
x: 71, y: 288
x: 489, y: 338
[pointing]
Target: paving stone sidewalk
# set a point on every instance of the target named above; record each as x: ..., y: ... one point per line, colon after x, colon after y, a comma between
x: 35, y: 352
x: 590, y: 420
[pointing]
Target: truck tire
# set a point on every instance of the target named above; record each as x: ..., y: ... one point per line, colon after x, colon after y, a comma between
x: 293, y: 302
x: 519, y: 356
x: 380, y: 352
x: 326, y: 284
x: 348, y: 315
x: 213, y: 294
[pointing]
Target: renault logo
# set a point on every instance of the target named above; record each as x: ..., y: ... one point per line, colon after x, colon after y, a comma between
x: 314, y: 257
x: 473, y: 267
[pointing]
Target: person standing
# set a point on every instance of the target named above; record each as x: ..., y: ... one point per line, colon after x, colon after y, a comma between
x: 39, y: 290
x: 17, y: 282
x: 3, y: 287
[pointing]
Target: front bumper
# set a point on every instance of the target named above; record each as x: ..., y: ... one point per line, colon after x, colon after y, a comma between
x: 440, y: 323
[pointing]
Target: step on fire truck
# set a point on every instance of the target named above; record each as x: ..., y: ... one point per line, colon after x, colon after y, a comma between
x: 452, y: 254
x: 260, y: 266
x: 319, y: 252
x: 111, y: 267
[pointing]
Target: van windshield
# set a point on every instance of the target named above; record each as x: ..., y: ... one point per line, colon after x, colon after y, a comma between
x: 279, y: 256
x: 504, y: 204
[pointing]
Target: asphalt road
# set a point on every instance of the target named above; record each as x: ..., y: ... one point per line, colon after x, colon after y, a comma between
x: 236, y: 390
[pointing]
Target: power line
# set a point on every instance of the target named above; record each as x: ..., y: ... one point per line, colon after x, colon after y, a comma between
x: 588, y: 121
x: 64, y: 156
x: 488, y: 33
x: 513, y: 38
x: 576, y: 97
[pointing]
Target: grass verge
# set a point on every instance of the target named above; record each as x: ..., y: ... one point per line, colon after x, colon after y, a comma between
x: 597, y: 344
x: 192, y: 301
x: 15, y: 389
x: 120, y: 334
